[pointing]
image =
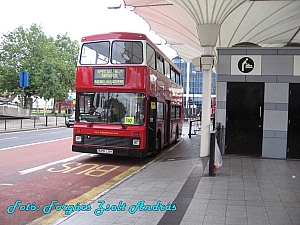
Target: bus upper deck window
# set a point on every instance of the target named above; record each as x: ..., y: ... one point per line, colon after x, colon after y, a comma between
x: 94, y: 53
x: 127, y: 52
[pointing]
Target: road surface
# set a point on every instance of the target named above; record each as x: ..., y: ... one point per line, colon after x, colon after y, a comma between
x: 40, y: 175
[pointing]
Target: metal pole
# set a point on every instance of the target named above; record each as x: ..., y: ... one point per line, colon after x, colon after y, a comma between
x: 190, y: 130
x: 212, y: 155
x: 187, y: 98
x: 22, y: 102
x: 194, y: 78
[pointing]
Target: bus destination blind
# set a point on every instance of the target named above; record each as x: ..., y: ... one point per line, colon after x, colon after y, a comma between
x: 109, y: 76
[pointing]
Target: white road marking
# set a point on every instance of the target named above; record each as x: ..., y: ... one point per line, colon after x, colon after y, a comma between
x: 34, y: 169
x: 42, y: 142
x: 8, y: 138
x: 54, y: 132
x: 6, y: 184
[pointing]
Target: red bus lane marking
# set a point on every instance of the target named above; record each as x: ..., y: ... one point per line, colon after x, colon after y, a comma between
x: 87, y: 197
x: 25, y: 145
x: 29, y: 156
x: 42, y: 189
x: 93, y: 170
x: 49, y: 164
x: 58, y: 180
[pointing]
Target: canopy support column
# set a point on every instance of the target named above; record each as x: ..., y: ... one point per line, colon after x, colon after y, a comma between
x: 208, y: 35
x: 206, y: 101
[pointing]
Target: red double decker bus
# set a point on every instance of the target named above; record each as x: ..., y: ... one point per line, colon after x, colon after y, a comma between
x: 128, y: 97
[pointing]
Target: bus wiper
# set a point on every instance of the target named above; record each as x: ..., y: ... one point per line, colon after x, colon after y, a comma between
x: 123, y: 126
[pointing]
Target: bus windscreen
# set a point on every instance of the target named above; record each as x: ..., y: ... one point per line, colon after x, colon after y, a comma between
x: 111, y: 107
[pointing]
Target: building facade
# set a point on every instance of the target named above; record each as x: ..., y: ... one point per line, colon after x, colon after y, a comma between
x: 258, y: 100
x: 192, y: 86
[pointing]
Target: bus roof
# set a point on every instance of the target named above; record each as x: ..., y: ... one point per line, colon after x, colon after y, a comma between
x: 124, y: 36
x: 115, y: 35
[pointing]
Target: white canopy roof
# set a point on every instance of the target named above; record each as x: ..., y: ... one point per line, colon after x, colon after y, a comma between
x: 265, y: 23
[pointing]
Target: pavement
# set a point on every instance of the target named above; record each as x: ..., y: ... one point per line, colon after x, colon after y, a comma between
x: 176, y: 189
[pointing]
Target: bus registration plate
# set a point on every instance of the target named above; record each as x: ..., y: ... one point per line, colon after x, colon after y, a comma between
x: 105, y: 151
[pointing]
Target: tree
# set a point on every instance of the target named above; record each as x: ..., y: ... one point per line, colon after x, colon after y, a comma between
x: 59, y: 69
x: 51, y: 63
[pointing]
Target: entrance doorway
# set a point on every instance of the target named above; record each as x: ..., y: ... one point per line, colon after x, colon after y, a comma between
x: 293, y: 150
x: 167, y: 123
x: 151, y: 124
x: 244, y: 122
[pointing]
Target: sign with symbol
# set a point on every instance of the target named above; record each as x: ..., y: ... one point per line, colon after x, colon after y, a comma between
x: 246, y: 65
x: 153, y: 105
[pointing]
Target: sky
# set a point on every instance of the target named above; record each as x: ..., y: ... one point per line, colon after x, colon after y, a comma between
x: 76, y: 18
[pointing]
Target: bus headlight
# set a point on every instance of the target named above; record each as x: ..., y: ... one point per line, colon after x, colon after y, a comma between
x: 78, y: 139
x: 135, y: 142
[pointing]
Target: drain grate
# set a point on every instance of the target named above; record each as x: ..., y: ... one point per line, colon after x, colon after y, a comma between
x: 179, y: 158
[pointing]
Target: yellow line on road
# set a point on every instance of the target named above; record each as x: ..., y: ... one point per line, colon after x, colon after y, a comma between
x: 87, y: 197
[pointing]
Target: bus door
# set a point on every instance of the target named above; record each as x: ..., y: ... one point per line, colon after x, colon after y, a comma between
x: 167, y: 122
x: 151, y: 124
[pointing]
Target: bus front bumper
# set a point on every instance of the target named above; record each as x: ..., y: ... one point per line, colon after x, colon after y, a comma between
x: 118, y: 152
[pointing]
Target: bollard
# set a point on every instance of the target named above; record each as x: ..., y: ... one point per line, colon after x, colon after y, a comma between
x: 190, y: 130
x: 212, y: 155
x: 46, y: 120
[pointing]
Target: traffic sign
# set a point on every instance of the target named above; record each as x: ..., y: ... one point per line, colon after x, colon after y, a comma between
x: 24, y: 79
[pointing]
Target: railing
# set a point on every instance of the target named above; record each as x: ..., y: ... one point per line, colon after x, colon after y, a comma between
x: 195, y: 127
x: 33, y: 122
